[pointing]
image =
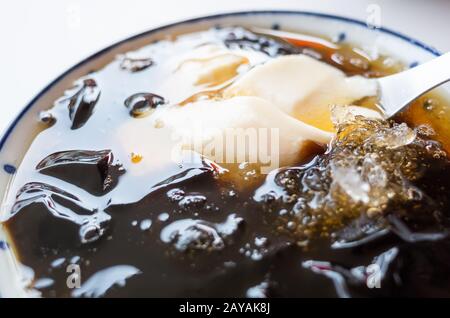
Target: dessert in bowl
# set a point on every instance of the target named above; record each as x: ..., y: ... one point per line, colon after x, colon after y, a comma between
x: 237, y: 155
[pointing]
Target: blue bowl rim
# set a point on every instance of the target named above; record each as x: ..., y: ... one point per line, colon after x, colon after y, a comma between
x: 22, y: 113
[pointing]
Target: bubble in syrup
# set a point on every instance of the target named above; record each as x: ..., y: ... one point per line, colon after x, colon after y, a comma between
x: 142, y: 104
x: 261, y: 241
x: 145, y: 224
x: 163, y: 217
x: 256, y: 255
x: 232, y: 194
x: 291, y: 225
x: 47, y: 118
x: 75, y: 259
x: 192, y: 201
x: 258, y: 291
x: 58, y: 262
x: 175, y: 194
x: 90, y: 233
x: 229, y: 264
x: 43, y: 283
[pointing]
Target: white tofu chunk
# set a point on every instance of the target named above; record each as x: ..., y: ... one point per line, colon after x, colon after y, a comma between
x: 242, y: 129
x: 302, y: 87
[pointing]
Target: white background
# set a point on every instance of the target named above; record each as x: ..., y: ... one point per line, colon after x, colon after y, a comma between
x: 40, y: 39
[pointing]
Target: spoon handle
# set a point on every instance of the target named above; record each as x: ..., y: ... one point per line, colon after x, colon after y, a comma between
x: 398, y: 90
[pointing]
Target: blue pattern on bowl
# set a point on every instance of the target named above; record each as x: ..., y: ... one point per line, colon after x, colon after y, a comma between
x: 341, y: 37
x: 413, y: 64
x: 3, y: 246
x: 9, y: 169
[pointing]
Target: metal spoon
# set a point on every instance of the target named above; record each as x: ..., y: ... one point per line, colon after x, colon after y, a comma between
x: 396, y: 91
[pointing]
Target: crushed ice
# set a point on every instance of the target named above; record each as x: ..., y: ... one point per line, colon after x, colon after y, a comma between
x: 370, y: 166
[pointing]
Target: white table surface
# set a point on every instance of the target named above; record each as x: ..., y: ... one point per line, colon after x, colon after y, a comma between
x: 41, y: 39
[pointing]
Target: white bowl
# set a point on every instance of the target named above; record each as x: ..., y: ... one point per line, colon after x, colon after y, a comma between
x: 18, y: 136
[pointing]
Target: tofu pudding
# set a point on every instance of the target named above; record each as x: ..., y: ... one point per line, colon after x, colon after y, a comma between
x: 235, y: 162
